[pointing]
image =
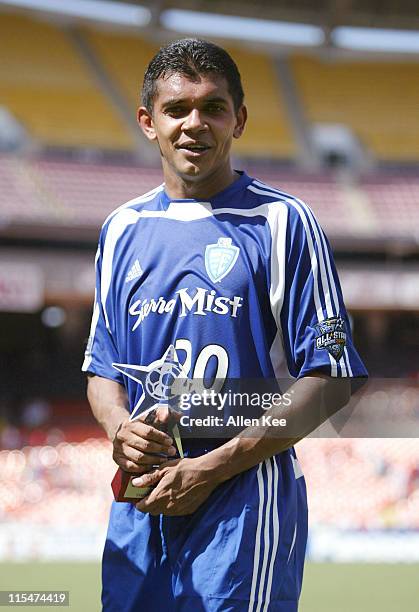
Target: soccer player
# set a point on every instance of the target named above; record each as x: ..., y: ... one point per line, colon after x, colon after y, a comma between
x: 225, y: 277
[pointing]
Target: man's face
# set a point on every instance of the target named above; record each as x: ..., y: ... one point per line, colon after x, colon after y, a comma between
x: 194, y: 123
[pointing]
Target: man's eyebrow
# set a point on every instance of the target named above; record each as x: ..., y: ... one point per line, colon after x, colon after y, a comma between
x: 211, y: 99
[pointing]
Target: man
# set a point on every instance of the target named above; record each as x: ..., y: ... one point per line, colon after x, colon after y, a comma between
x: 236, y: 280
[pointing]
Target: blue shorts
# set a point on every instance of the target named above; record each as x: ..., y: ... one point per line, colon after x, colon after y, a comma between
x: 243, y: 549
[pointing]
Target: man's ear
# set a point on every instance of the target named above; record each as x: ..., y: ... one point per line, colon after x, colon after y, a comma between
x: 241, y: 121
x: 145, y: 121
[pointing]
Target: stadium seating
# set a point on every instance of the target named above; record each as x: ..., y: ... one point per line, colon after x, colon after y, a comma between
x: 67, y: 194
x: 87, y: 193
x: 268, y: 133
x: 76, y: 194
x: 125, y: 57
x: 394, y: 199
x: 361, y: 483
x: 67, y: 109
x: 47, y: 86
x: 352, y: 483
x: 377, y: 100
x: 55, y: 95
x: 68, y: 483
x: 49, y: 192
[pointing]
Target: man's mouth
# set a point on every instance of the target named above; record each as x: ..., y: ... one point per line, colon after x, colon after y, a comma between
x: 193, y: 148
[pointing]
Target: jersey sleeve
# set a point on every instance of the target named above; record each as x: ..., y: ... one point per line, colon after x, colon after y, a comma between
x: 315, y: 325
x: 101, y: 349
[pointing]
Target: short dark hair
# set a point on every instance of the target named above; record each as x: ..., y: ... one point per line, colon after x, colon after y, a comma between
x: 191, y: 57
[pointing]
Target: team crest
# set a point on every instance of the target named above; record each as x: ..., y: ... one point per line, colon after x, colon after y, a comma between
x: 220, y: 259
x: 331, y: 335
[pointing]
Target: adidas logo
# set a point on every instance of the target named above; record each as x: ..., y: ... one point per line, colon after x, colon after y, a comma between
x: 134, y: 272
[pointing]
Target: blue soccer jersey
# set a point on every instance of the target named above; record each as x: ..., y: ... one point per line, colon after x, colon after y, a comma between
x: 243, y: 286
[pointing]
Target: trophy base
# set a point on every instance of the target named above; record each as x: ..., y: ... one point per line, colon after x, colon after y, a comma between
x: 124, y: 490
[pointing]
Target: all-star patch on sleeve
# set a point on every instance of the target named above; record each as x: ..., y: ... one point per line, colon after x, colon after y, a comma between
x: 316, y: 328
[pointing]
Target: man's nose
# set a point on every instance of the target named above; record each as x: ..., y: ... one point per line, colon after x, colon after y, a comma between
x: 194, y: 121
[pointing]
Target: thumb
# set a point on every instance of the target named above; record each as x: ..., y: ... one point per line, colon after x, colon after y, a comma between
x: 148, y: 480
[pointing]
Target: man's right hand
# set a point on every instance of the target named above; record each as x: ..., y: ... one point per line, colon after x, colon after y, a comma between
x: 137, y: 446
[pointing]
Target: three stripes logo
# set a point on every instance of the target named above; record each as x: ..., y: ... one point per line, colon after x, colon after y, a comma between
x: 135, y: 272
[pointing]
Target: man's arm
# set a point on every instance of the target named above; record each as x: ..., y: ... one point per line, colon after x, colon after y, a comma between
x: 183, y: 486
x: 134, y: 442
x: 109, y: 403
x: 314, y: 399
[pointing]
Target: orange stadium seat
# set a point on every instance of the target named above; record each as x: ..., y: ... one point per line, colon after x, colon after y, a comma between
x: 47, y: 86
x: 377, y: 100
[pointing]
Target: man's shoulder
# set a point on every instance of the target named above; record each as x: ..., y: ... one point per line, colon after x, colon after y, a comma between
x: 135, y: 205
x: 266, y: 193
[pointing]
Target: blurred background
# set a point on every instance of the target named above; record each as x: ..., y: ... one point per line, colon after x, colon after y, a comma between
x: 332, y: 90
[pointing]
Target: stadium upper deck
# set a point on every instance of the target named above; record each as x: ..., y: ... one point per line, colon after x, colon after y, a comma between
x: 59, y: 87
x: 47, y: 86
x: 376, y: 100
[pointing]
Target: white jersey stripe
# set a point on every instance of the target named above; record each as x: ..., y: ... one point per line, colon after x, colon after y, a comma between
x: 331, y: 282
x: 323, y: 252
x: 266, y: 537
x: 146, y: 197
x: 313, y: 256
x: 115, y: 230
x: 298, y: 472
x: 345, y: 351
x: 320, y: 246
x: 275, y: 540
x: 95, y: 318
x: 329, y: 269
x: 320, y: 241
x: 294, y: 537
x: 256, y: 556
x: 277, y: 219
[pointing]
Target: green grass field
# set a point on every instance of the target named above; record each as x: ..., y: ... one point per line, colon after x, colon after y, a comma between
x: 327, y: 587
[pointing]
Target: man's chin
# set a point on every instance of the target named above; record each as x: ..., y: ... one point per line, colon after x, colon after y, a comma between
x: 192, y: 172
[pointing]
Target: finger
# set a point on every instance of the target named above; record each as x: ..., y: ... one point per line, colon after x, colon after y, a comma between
x: 138, y: 457
x: 130, y: 466
x: 150, y: 433
x: 138, y: 440
x: 148, y: 480
x: 147, y: 446
x: 169, y: 463
x: 148, y: 505
x: 162, y: 414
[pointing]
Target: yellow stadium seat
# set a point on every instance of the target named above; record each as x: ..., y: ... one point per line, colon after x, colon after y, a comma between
x: 268, y: 132
x: 48, y: 88
x: 125, y: 58
x: 377, y: 100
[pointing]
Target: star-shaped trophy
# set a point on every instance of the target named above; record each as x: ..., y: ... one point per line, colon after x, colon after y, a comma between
x: 160, y: 382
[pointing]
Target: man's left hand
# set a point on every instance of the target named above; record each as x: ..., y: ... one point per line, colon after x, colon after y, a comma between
x: 181, y: 486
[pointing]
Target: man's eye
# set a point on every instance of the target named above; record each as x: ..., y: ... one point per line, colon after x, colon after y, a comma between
x: 214, y: 108
x: 175, y: 111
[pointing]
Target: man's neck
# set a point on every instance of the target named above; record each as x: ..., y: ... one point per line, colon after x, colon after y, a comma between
x: 180, y: 188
